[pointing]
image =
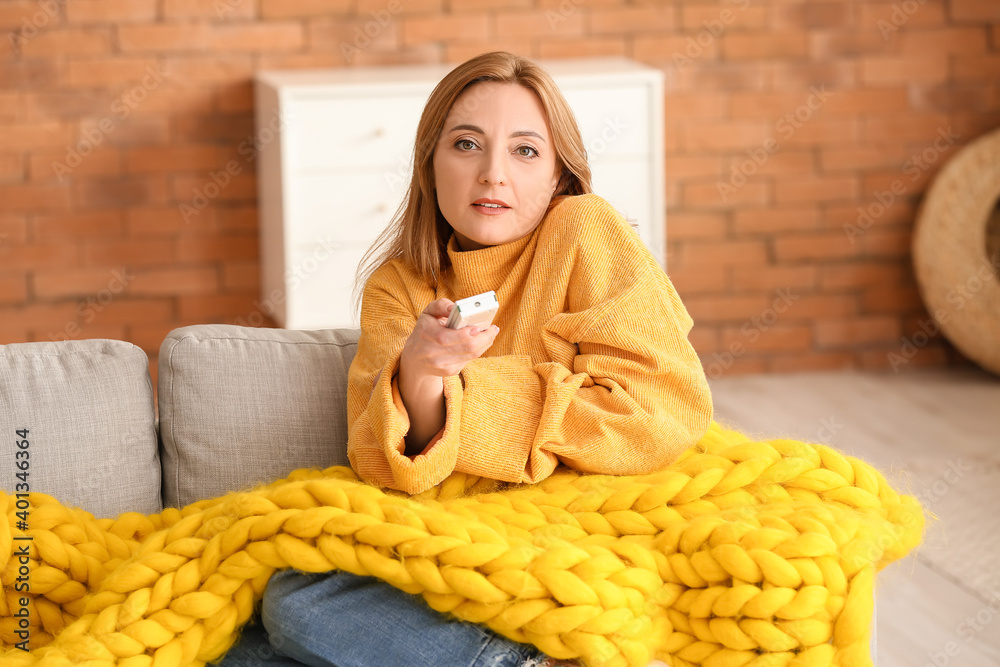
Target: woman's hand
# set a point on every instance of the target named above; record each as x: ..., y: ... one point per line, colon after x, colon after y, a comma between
x: 431, y: 353
x: 435, y: 350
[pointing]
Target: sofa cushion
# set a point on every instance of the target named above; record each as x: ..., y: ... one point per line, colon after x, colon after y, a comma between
x: 241, y: 406
x: 87, y: 407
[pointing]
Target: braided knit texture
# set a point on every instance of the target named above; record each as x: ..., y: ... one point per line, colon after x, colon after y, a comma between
x: 742, y: 553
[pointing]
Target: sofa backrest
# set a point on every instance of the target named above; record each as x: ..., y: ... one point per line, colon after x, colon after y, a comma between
x: 77, y: 422
x: 241, y: 406
x: 238, y: 407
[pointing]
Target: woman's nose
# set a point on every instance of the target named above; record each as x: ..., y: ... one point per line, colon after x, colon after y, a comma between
x: 494, y: 168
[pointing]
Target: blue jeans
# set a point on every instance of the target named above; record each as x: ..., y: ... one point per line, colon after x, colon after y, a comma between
x: 342, y: 620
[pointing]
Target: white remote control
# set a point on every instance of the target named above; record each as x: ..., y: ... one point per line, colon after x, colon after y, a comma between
x: 478, y: 310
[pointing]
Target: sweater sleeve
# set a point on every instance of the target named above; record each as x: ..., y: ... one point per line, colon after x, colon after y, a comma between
x: 623, y: 391
x: 377, y: 419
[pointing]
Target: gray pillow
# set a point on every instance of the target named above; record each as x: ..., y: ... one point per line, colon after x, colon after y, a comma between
x: 87, y: 407
x: 241, y: 406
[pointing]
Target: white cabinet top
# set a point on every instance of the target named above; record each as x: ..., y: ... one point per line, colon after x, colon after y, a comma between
x: 338, y: 79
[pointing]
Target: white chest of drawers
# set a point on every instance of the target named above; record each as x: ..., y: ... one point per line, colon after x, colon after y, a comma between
x: 334, y: 162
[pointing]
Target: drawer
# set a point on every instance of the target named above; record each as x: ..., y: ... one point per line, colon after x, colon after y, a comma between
x: 612, y: 121
x: 352, y: 132
x: 320, y: 285
x: 352, y: 207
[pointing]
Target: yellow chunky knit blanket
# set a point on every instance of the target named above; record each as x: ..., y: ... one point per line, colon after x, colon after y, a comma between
x: 742, y: 553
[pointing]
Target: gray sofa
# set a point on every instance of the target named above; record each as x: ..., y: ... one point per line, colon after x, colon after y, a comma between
x: 238, y: 407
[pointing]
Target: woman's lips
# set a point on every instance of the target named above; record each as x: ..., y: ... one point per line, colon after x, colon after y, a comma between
x: 490, y: 206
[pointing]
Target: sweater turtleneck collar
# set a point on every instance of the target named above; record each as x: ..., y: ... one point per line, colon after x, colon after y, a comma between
x: 477, y: 271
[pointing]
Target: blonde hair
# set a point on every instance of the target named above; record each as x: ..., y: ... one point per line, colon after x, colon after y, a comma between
x: 418, y: 232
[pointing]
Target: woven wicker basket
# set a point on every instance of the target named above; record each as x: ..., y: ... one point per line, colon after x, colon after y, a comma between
x: 959, y: 278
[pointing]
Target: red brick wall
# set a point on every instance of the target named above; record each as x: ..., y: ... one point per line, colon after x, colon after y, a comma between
x: 783, y: 118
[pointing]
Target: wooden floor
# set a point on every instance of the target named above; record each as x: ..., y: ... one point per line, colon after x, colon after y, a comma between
x: 936, y: 433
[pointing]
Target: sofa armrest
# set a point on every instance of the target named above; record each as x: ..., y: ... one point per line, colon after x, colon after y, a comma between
x: 87, y: 407
x: 241, y: 406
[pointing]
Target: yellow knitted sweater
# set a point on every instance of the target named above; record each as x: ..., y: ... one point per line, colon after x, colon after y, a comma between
x: 592, y: 366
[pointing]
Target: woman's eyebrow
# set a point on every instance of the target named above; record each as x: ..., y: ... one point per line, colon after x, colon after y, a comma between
x: 518, y: 133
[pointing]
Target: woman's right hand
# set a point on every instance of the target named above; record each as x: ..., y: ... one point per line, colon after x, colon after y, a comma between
x: 431, y: 353
x: 435, y: 350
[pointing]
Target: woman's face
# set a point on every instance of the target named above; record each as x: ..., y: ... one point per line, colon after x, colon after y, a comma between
x: 494, y: 165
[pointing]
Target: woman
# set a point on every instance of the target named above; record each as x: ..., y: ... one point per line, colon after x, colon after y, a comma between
x: 587, y: 363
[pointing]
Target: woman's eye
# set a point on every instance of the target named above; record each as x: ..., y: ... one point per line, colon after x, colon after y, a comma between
x: 466, y: 144
x: 526, y: 151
